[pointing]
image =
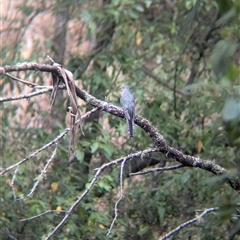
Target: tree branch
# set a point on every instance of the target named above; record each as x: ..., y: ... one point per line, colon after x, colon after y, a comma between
x: 91, y: 184
x: 54, y: 141
x: 190, y: 222
x: 157, y: 170
x: 160, y: 144
x: 157, y: 138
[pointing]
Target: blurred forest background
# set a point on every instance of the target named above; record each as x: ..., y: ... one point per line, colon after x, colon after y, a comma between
x: 181, y: 61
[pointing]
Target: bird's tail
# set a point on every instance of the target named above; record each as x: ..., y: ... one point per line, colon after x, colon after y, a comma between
x: 130, y: 127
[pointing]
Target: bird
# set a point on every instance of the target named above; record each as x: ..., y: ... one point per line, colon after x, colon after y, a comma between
x: 128, y: 106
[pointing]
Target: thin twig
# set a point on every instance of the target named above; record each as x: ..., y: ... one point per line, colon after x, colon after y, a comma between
x: 80, y: 198
x: 54, y: 141
x: 190, y: 222
x: 12, y: 183
x: 27, y: 96
x: 41, y: 176
x: 158, y: 140
x: 128, y: 158
x: 149, y: 170
x: 41, y: 214
x: 29, y: 84
x: 90, y: 186
x: 120, y: 197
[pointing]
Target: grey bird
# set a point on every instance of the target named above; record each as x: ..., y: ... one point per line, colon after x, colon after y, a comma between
x: 128, y: 106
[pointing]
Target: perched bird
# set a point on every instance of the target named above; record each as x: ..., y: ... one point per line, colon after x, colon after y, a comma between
x: 128, y: 106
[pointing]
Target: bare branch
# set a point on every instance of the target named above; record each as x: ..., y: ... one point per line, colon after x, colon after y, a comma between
x: 41, y: 214
x: 128, y: 158
x: 28, y: 66
x: 26, y: 96
x: 91, y: 184
x: 190, y: 222
x: 54, y: 141
x: 120, y: 198
x: 29, y: 84
x: 158, y: 140
x: 157, y: 170
x: 41, y: 176
x: 12, y: 183
x: 76, y: 203
x: 156, y: 137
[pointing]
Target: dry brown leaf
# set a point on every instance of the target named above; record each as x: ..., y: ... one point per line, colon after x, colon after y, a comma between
x: 67, y: 78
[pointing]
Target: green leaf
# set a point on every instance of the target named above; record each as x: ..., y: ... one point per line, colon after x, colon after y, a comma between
x: 231, y: 110
x: 108, y: 148
x: 86, y: 16
x: 233, y: 72
x: 161, y: 212
x: 21, y: 169
x: 227, y: 210
x: 79, y: 155
x: 185, y: 177
x: 132, y: 13
x: 139, y: 7
x: 190, y: 16
x: 222, y: 56
x: 105, y: 186
x: 143, y: 230
x: 94, y: 147
x: 226, y: 17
